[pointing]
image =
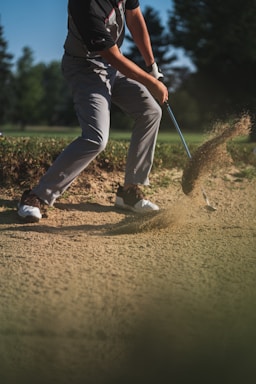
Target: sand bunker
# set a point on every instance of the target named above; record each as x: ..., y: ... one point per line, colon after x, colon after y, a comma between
x: 208, y: 156
x: 213, y: 152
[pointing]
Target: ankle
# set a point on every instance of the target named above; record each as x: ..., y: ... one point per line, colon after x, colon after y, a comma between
x: 128, y: 186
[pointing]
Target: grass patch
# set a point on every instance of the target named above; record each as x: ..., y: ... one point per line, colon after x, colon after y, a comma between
x: 41, y: 132
x: 246, y: 173
x: 72, y: 132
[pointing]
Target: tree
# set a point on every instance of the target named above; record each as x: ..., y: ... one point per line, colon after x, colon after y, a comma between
x: 5, y: 77
x: 57, y: 101
x: 219, y: 37
x: 29, y: 92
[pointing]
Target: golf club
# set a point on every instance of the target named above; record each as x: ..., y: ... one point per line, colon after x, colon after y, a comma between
x: 169, y: 110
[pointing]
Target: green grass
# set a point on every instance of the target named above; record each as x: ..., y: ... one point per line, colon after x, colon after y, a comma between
x: 41, y: 131
x: 163, y: 137
x: 170, y: 137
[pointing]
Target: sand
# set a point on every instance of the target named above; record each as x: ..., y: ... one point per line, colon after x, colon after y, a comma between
x: 212, y: 154
x: 96, y: 295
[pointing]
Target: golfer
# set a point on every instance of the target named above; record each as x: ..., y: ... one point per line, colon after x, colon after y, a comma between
x: 99, y: 75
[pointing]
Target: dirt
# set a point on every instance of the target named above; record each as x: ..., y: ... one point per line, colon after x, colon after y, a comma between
x: 92, y: 294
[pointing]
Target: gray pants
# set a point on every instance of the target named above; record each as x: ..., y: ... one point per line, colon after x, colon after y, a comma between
x: 94, y: 86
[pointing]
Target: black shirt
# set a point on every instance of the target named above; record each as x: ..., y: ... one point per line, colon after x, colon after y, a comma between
x: 98, y: 24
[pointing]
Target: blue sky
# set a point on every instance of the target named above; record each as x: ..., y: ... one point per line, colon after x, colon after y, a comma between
x: 41, y: 25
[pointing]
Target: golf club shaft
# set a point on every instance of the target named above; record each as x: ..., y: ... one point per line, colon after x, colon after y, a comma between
x: 169, y: 110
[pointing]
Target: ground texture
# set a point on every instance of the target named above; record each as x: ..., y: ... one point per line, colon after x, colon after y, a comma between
x: 96, y: 295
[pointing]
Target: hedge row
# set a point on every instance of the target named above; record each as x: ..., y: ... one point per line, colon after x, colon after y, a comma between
x: 24, y: 160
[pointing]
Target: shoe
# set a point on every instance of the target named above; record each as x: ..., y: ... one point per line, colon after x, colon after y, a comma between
x: 29, y: 207
x: 133, y: 200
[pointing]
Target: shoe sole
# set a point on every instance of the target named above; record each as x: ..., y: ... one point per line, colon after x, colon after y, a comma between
x: 124, y: 207
x: 29, y: 219
x: 121, y: 205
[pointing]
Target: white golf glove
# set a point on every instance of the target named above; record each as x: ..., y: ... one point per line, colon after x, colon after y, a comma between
x: 154, y: 71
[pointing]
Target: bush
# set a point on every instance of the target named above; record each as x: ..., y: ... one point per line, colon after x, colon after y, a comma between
x: 22, y: 160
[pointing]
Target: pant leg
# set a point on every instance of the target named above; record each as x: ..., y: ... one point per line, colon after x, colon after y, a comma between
x: 91, y: 89
x: 136, y: 100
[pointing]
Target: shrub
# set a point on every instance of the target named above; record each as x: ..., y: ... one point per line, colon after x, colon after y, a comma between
x: 24, y: 160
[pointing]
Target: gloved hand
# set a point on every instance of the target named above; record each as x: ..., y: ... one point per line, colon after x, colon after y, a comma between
x: 154, y: 71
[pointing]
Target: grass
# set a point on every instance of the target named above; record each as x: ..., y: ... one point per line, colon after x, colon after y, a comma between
x: 117, y: 135
x: 247, y: 173
x: 163, y: 137
x: 41, y: 131
x: 170, y: 137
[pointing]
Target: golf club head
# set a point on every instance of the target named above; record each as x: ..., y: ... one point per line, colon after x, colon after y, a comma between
x: 210, y: 208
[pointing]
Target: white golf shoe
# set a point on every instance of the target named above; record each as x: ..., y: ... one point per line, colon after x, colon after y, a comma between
x: 29, y: 207
x: 133, y: 199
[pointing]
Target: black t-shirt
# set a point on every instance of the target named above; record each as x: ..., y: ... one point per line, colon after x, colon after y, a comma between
x: 100, y: 23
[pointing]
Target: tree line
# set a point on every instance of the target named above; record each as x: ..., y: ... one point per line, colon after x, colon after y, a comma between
x: 34, y: 93
x: 218, y: 38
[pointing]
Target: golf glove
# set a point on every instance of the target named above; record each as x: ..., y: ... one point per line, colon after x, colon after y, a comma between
x: 154, y: 71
